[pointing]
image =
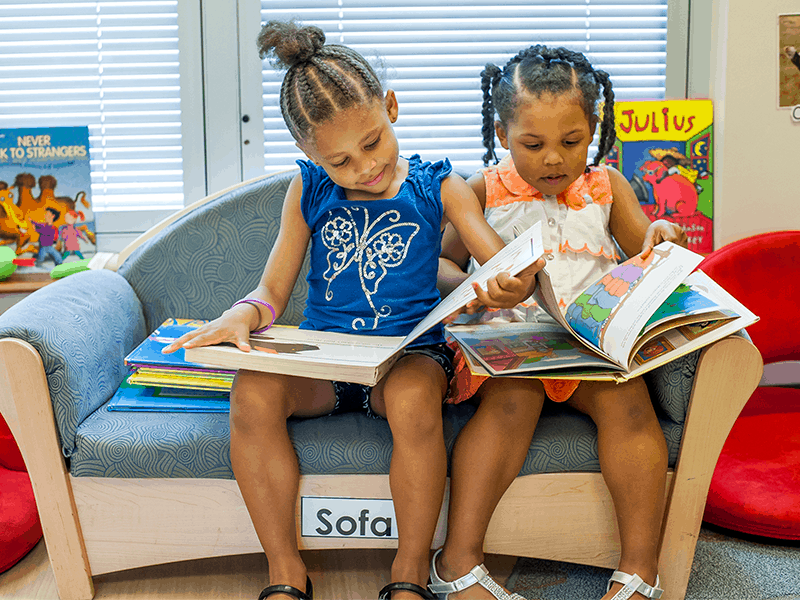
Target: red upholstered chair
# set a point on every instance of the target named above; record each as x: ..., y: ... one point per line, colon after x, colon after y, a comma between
x: 20, y: 529
x: 756, y: 485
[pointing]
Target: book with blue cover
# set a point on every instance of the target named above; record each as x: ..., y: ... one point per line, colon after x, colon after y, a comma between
x: 138, y: 398
x: 151, y: 367
x: 46, y: 208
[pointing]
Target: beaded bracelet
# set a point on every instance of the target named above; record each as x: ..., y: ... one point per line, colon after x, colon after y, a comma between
x: 253, y: 302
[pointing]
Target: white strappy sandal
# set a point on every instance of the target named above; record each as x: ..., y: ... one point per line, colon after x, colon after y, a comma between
x: 632, y: 584
x: 478, y: 575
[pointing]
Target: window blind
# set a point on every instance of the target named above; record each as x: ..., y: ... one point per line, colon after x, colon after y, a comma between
x: 433, y: 53
x: 112, y: 66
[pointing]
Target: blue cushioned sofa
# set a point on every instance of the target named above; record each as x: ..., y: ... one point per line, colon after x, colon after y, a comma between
x: 123, y: 490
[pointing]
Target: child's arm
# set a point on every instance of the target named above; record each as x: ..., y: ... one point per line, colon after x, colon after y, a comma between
x: 276, y: 285
x: 466, y: 234
x: 632, y: 228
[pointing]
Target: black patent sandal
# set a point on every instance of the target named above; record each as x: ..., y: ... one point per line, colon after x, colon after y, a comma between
x: 387, y: 590
x: 288, y: 589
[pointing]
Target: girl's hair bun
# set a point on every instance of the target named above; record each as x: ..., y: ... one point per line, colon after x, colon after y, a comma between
x: 288, y: 43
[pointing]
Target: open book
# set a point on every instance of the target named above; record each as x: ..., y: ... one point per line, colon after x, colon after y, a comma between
x: 642, y: 314
x: 359, y: 358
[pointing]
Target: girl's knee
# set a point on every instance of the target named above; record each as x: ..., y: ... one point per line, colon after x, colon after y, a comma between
x: 620, y: 406
x: 257, y: 398
x: 412, y: 399
x: 515, y: 401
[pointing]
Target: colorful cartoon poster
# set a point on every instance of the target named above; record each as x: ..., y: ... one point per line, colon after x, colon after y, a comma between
x: 664, y: 148
x: 45, y: 194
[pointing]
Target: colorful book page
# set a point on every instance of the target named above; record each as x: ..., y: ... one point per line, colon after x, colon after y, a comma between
x: 525, y: 348
x: 686, y: 300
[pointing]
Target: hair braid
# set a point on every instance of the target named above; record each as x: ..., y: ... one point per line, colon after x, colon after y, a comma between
x: 608, y: 133
x: 538, y: 70
x: 490, y: 75
x: 320, y: 80
x: 332, y: 77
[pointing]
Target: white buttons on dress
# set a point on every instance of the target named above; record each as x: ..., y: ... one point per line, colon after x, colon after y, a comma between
x: 550, y: 256
x: 551, y: 222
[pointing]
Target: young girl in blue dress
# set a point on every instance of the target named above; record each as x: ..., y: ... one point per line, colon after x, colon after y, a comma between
x: 374, y: 221
x: 545, y: 101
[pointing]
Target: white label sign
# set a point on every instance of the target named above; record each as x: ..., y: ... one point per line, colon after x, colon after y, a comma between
x: 347, y: 517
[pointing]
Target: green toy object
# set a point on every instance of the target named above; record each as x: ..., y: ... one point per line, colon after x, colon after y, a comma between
x: 7, y: 267
x: 70, y: 268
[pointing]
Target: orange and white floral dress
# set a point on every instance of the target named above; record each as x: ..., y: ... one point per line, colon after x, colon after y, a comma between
x: 578, y: 246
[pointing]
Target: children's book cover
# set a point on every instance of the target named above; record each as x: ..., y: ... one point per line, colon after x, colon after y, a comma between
x: 148, y: 353
x: 45, y: 194
x: 665, y: 149
x: 152, y: 368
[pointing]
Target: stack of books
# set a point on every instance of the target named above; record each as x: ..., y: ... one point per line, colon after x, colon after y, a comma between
x: 168, y: 382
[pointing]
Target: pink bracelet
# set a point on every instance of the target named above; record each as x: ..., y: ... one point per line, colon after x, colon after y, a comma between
x: 253, y: 302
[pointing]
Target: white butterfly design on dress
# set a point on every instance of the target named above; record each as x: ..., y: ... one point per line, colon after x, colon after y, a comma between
x: 371, y: 250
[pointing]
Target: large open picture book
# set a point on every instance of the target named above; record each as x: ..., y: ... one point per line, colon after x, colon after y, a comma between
x: 642, y: 314
x: 359, y: 358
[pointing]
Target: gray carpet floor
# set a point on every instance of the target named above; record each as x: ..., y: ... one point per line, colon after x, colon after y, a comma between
x: 725, y: 568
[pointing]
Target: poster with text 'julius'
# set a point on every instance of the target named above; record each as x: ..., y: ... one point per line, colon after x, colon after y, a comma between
x: 664, y: 149
x: 45, y: 194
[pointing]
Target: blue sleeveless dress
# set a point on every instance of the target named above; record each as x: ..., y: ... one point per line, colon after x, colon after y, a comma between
x: 374, y: 262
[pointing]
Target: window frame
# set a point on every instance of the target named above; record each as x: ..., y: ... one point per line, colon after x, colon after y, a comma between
x: 117, y: 228
x: 221, y: 102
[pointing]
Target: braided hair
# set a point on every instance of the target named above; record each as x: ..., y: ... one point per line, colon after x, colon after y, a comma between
x: 540, y: 70
x: 320, y: 79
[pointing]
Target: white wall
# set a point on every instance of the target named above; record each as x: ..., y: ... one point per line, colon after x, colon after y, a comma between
x: 757, y: 150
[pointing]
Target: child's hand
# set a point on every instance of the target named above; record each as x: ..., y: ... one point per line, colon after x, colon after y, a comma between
x: 232, y: 326
x: 505, y: 291
x: 502, y: 291
x: 789, y: 51
x: 663, y: 231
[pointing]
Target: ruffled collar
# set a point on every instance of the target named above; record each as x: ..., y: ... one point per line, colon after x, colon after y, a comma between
x: 575, y: 196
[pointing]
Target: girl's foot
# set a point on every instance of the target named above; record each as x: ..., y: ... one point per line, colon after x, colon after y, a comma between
x: 278, y: 592
x: 409, y: 569
x: 292, y: 573
x: 444, y: 571
x: 647, y: 588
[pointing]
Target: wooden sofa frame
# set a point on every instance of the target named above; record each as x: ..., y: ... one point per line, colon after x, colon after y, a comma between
x: 98, y: 525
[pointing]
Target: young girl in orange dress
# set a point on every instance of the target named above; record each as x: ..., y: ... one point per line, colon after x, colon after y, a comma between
x: 542, y: 108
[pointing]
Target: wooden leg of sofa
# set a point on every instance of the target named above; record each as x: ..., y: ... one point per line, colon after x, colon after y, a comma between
x: 727, y: 374
x: 25, y: 404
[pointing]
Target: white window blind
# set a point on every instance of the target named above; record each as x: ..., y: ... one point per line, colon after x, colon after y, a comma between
x: 113, y: 66
x: 434, y: 52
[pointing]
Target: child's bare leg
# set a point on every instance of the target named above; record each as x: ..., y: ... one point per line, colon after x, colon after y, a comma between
x: 488, y: 455
x: 410, y: 397
x: 265, y: 463
x: 633, y: 459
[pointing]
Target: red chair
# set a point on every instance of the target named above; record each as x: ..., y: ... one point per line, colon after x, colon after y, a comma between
x: 20, y: 529
x: 756, y: 485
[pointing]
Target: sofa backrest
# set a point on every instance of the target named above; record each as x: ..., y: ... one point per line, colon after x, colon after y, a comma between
x: 198, y: 266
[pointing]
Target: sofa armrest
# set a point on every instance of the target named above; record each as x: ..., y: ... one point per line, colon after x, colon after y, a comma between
x: 727, y: 373
x: 82, y: 327
x: 671, y: 385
